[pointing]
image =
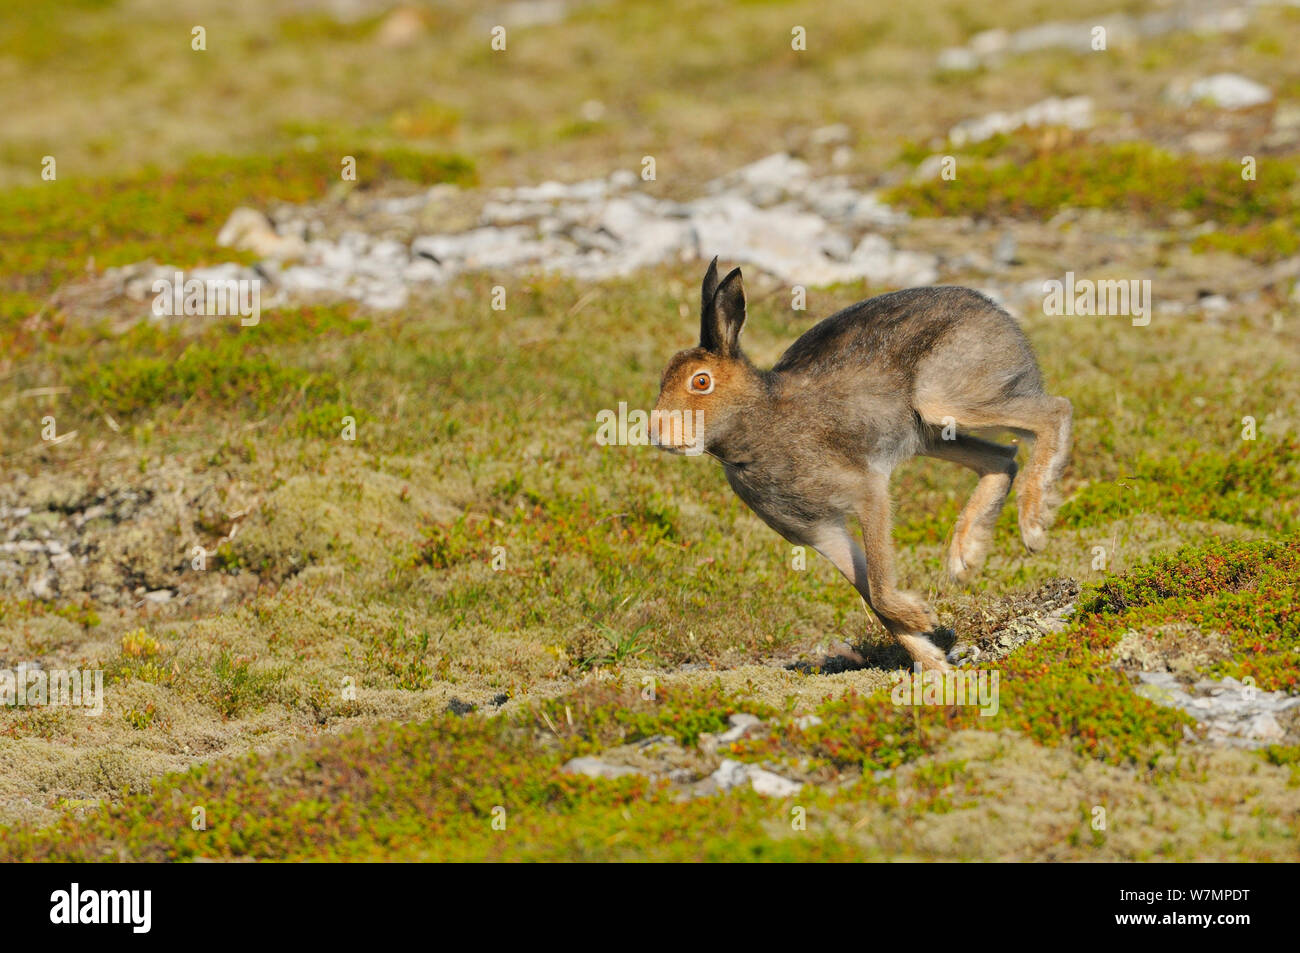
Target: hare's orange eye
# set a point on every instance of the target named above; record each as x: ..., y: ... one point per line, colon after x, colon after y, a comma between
x: 701, y: 383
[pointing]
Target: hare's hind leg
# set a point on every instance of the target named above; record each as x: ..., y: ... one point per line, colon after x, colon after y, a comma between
x: 1047, y: 420
x: 996, y: 465
x: 903, y: 615
x: 1050, y: 420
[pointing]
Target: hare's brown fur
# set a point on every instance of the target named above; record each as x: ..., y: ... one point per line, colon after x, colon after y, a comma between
x: 811, y: 443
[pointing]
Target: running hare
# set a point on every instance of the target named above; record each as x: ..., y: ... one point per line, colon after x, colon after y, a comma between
x: 812, y: 442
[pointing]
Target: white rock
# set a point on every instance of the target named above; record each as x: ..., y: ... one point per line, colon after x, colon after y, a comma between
x: 958, y: 59
x: 403, y: 27
x: 733, y: 774
x: 389, y: 250
x: 385, y: 297
x: 1266, y: 727
x: 730, y: 774
x: 421, y: 270
x: 990, y: 42
x: 740, y: 725
x: 1073, y: 113
x: 1225, y: 90
x: 827, y: 135
x: 929, y: 168
x: 767, y: 180
x: 1121, y: 29
x: 622, y: 179
x: 595, y: 768
x: 869, y: 210
x: 249, y: 229
x: 772, y: 785
x: 1207, y: 141
x: 878, y: 261
x: 521, y: 13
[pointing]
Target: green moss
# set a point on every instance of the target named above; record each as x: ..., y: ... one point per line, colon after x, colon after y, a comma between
x: 226, y: 374
x: 1249, y: 485
x: 327, y: 421
x: 404, y: 658
x: 1244, y: 590
x: 606, y: 714
x: 49, y: 232
x: 1006, y: 178
x: 233, y: 685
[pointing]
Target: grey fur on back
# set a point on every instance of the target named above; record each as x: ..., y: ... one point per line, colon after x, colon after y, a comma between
x: 894, y: 333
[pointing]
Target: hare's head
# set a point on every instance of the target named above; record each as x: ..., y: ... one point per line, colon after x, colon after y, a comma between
x: 706, y: 390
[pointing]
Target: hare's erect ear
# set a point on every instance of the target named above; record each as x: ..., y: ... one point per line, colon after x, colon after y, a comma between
x: 722, y: 312
x: 710, y: 286
x: 710, y: 330
x: 728, y: 315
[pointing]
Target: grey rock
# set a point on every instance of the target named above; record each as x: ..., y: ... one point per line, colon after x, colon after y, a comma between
x: 1073, y: 113
x: 1225, y: 90
x: 769, y: 784
x: 1004, y: 253
x: 1077, y: 36
x: 733, y: 774
x: 741, y: 724
x: 595, y: 768
x: 1231, y: 713
x: 958, y: 59
x: 831, y: 135
x: 42, y: 586
x: 730, y: 774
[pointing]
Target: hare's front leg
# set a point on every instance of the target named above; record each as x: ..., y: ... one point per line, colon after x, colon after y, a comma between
x: 905, y: 616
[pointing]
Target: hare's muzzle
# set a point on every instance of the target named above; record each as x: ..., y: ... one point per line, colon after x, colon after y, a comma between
x: 677, y: 431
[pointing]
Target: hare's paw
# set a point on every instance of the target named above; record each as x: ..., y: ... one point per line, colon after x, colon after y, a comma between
x: 1034, y: 535
x: 966, y: 555
x: 957, y: 567
x: 902, y: 612
x: 925, y: 652
x: 1037, y: 510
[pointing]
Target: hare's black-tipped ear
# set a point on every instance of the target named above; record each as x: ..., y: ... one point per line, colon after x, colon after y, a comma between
x: 710, y: 286
x: 710, y: 338
x: 728, y: 315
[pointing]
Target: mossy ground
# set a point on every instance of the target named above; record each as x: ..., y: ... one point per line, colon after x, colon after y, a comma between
x: 473, y: 541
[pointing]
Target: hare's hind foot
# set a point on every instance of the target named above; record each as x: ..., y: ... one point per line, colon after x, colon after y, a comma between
x: 974, y: 534
x: 1042, y: 417
x: 913, y: 625
x: 1051, y: 427
x: 996, y: 466
x: 965, y: 558
x: 1033, y: 534
x: 930, y: 657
